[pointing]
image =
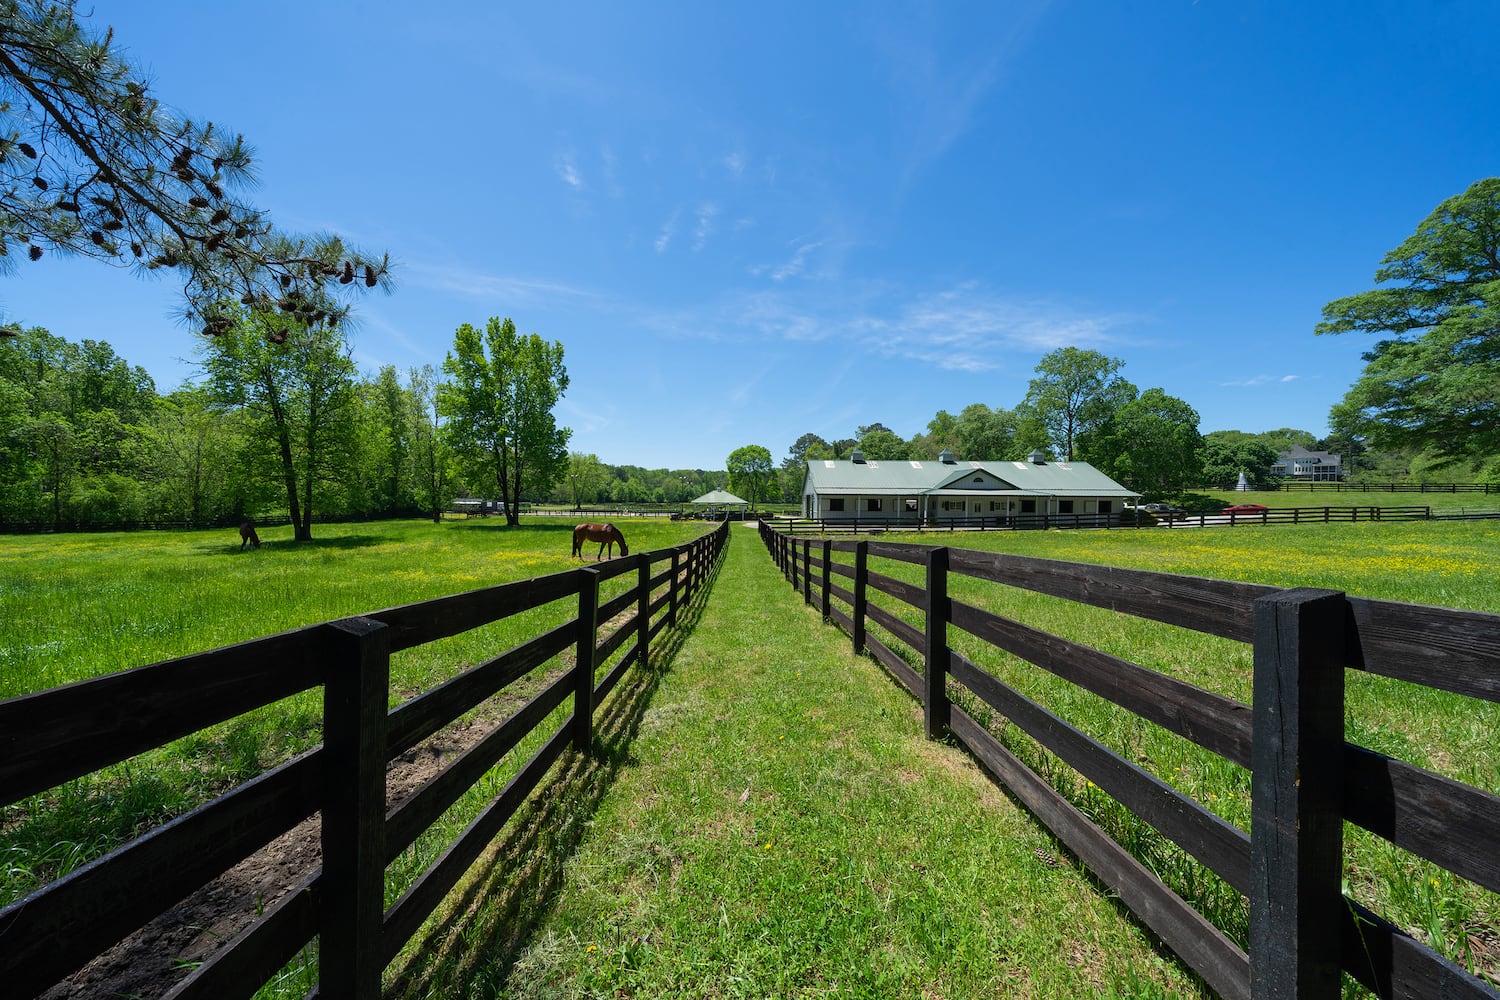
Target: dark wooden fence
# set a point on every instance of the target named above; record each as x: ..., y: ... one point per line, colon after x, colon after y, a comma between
x: 54, y: 736
x: 1386, y: 487
x: 1305, y: 779
x: 1131, y: 518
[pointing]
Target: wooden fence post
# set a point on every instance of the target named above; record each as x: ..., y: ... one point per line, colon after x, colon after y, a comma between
x: 861, y: 582
x: 643, y: 607
x: 1296, y: 796
x: 692, y: 569
x: 583, y: 669
x: 827, y: 576
x: 672, y: 591
x: 935, y: 698
x: 791, y: 562
x: 806, y: 571
x: 355, y: 693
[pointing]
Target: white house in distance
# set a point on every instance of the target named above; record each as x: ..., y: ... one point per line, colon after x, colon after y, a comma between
x: 1304, y: 465
x: 948, y: 491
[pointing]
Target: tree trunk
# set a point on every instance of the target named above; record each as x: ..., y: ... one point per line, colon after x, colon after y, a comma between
x: 304, y: 531
x: 513, y: 494
x: 288, y: 472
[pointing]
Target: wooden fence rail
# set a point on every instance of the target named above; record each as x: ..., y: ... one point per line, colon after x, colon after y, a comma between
x: 55, y: 736
x: 1306, y: 781
x: 1130, y: 518
x: 1290, y: 485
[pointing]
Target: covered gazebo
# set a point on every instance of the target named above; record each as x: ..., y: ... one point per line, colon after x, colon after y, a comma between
x: 717, y: 500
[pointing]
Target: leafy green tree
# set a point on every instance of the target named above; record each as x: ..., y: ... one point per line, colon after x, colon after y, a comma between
x: 390, y: 422
x: 70, y: 430
x: 985, y: 433
x: 296, y: 384
x: 1075, y: 391
x: 499, y: 409
x: 431, y: 475
x: 1285, y: 438
x: 880, y: 443
x: 92, y: 163
x: 941, y: 435
x: 1031, y: 433
x: 585, y: 476
x: 750, y: 472
x: 1436, y: 384
x: 188, y: 451
x: 807, y: 448
x: 1151, y: 444
x: 1228, y: 453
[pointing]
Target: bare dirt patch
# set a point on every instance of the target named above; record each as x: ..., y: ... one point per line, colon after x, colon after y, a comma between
x: 156, y: 957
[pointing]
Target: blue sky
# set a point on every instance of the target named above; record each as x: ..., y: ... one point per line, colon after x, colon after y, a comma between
x: 746, y: 222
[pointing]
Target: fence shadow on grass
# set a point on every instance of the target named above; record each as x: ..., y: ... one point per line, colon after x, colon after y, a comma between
x: 487, y: 924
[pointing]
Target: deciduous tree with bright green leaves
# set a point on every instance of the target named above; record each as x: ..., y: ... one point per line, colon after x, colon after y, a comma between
x: 1075, y: 391
x: 1151, y: 444
x: 499, y: 407
x: 586, y: 474
x: 881, y: 444
x: 1435, y: 385
x: 751, y: 472
x: 297, y: 384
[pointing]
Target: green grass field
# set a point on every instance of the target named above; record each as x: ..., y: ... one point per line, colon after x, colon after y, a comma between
x: 1286, y: 499
x: 80, y: 605
x: 764, y: 818
x: 1437, y: 563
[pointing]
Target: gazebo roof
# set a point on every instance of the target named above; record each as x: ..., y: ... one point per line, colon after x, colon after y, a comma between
x: 722, y: 499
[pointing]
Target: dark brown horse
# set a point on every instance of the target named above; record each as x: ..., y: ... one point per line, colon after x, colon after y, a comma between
x: 604, y: 534
x: 247, y: 534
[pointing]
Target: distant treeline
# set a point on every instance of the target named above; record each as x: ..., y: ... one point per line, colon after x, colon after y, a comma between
x: 87, y: 442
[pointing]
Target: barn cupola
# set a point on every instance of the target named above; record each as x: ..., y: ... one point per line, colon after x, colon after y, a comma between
x: 857, y: 457
x: 946, y: 457
x: 1037, y: 458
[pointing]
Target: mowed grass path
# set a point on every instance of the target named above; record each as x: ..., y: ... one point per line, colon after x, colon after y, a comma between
x: 783, y: 828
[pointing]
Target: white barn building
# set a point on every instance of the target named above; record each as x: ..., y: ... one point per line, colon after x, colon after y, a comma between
x: 1033, y: 492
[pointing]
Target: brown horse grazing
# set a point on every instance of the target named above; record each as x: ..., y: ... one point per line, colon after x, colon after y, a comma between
x: 604, y: 534
x: 247, y: 534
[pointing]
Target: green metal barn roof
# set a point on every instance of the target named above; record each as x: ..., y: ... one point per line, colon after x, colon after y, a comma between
x: 912, y: 478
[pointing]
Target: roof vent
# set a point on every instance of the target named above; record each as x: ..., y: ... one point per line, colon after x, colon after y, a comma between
x: 946, y: 457
x: 857, y: 457
x: 1037, y: 458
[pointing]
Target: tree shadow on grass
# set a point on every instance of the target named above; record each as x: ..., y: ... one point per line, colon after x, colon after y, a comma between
x: 288, y: 545
x: 471, y: 947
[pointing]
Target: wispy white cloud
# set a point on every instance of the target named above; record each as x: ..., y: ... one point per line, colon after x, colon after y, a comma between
x: 1264, y: 380
x: 735, y: 163
x: 707, y: 212
x: 941, y: 99
x: 797, y: 264
x: 567, y: 169
x: 969, y: 329
x: 509, y: 288
x: 668, y: 230
x: 609, y: 165
x: 964, y: 328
